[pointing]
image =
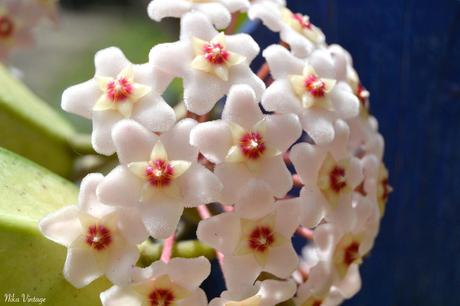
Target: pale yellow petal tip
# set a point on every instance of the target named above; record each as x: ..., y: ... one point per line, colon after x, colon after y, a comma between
x: 255, y: 300
x: 159, y: 152
x: 103, y: 103
x: 180, y: 167
x: 234, y: 155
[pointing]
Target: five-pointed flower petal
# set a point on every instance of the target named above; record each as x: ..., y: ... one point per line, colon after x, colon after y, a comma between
x: 158, y: 174
x: 218, y: 11
x: 330, y: 175
x: 247, y: 145
x: 206, y: 59
x: 120, y: 90
x: 161, y: 284
x: 100, y: 239
x: 308, y: 89
x: 295, y: 29
x: 255, y: 238
x: 266, y: 293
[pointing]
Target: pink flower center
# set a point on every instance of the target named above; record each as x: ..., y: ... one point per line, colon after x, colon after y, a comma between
x: 161, y: 297
x: 119, y: 90
x: 98, y: 237
x: 252, y: 145
x: 261, y: 238
x: 216, y: 53
x: 315, y: 86
x: 6, y: 27
x: 337, y: 180
x: 351, y: 253
x: 159, y: 173
x: 302, y: 20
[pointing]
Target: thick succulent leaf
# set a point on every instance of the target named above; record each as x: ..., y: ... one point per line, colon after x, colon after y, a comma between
x: 30, y: 263
x: 31, y: 128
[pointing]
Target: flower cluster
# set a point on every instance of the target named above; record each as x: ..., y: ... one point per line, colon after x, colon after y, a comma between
x: 19, y: 18
x: 301, y: 157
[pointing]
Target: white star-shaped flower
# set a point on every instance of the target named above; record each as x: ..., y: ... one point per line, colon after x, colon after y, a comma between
x: 15, y: 27
x: 308, y: 89
x: 247, y: 145
x: 163, y: 284
x: 120, y: 90
x: 295, y: 29
x: 266, y: 293
x: 254, y: 238
x: 158, y: 174
x: 209, y: 62
x: 101, y: 240
x: 330, y: 175
x: 218, y: 11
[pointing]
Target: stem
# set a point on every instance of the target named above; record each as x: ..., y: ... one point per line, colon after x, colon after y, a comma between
x: 167, y: 248
x: 305, y: 232
x: 231, y: 29
x: 263, y: 72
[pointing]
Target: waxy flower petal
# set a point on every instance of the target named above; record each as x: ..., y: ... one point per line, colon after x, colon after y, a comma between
x: 161, y: 284
x: 256, y: 244
x: 203, y: 57
x: 158, y: 175
x: 247, y: 145
x: 100, y: 239
x: 119, y: 90
x: 218, y: 11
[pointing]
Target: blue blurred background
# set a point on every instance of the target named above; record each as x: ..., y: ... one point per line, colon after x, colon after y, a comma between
x: 407, y: 55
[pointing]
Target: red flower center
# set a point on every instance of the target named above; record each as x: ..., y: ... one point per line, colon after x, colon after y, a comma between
x: 337, y: 180
x: 6, y: 27
x: 351, y: 253
x: 302, y: 20
x: 315, y: 86
x: 119, y: 90
x: 216, y: 53
x: 252, y: 145
x: 161, y: 297
x: 159, y: 173
x: 98, y: 237
x: 261, y: 238
x: 363, y: 96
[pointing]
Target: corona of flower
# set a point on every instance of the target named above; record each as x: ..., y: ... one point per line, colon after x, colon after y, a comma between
x: 245, y: 144
x: 205, y: 58
x: 119, y: 90
x: 158, y: 175
x: 101, y: 240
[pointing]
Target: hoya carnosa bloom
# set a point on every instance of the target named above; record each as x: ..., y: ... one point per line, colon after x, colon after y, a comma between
x: 101, y: 240
x: 295, y: 29
x: 329, y: 174
x: 175, y: 283
x: 120, y: 90
x: 309, y: 89
x: 218, y: 11
x: 15, y: 27
x: 254, y: 238
x: 344, y: 245
x: 247, y: 145
x: 264, y: 293
x: 159, y: 175
x: 207, y: 60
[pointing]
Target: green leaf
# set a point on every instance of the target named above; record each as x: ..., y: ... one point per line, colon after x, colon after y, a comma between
x: 28, y: 126
x: 29, y: 263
